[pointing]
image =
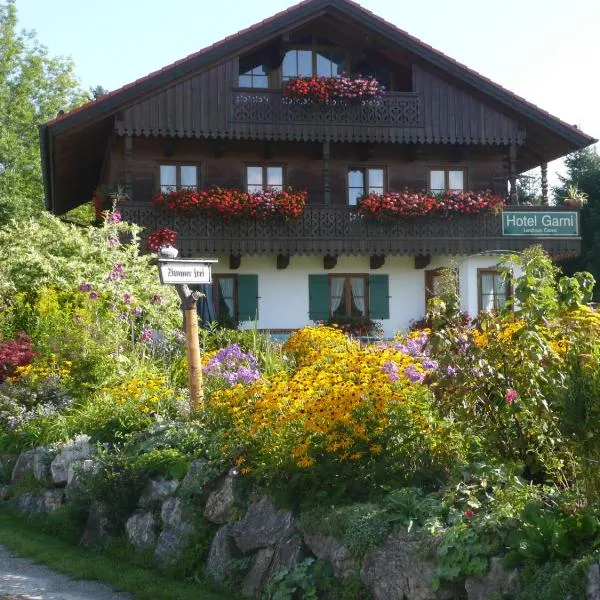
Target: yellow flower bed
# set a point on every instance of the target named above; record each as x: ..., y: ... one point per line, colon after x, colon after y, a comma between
x: 35, y: 373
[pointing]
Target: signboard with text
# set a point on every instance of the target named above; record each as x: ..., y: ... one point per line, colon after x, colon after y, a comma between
x: 547, y: 223
x: 180, y: 272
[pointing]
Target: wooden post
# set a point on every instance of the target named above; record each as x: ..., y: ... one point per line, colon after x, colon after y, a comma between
x: 192, y: 345
x: 544, y: 167
x: 512, y: 173
x: 129, y: 166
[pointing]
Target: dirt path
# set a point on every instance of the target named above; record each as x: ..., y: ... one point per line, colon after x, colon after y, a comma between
x: 21, y: 579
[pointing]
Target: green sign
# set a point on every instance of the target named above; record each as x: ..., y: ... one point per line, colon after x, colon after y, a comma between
x: 546, y: 223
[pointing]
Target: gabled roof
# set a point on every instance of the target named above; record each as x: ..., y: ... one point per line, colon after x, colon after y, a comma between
x: 97, y: 112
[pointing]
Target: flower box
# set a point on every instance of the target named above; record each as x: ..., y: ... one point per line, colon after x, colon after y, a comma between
x: 234, y: 204
x: 332, y: 90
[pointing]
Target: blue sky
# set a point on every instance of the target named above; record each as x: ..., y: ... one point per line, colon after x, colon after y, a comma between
x: 544, y: 50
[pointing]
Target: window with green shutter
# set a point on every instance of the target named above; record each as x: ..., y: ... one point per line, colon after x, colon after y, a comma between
x: 247, y: 292
x: 318, y: 297
x: 379, y: 296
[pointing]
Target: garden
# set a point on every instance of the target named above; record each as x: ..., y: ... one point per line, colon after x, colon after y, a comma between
x: 457, y: 460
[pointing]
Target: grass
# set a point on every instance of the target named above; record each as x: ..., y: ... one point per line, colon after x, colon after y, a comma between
x: 24, y: 539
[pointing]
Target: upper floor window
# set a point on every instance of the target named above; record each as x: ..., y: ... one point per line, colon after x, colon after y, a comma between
x: 494, y: 290
x: 322, y: 62
x: 363, y: 181
x: 253, y: 73
x: 263, y: 177
x: 175, y: 177
x: 446, y: 180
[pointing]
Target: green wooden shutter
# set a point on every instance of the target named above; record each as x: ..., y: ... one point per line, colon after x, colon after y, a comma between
x: 379, y: 297
x: 247, y: 288
x: 318, y: 297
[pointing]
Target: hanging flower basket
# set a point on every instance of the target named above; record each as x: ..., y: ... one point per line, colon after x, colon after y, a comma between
x: 419, y: 204
x: 332, y: 90
x: 231, y: 204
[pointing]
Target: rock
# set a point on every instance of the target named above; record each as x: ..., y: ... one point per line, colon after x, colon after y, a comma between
x: 97, y: 528
x: 395, y: 571
x: 29, y: 504
x: 289, y: 553
x: 264, y: 526
x: 258, y: 574
x: 52, y: 499
x: 7, y: 464
x: 496, y: 580
x: 592, y: 586
x: 334, y: 552
x: 23, y: 465
x: 176, y: 533
x: 74, y: 475
x: 74, y: 451
x: 221, y: 554
x: 141, y: 530
x: 41, y: 464
x: 198, y: 478
x: 4, y: 492
x: 156, y: 492
x: 222, y: 499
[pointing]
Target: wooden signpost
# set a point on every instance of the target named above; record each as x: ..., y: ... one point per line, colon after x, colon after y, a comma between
x: 182, y: 273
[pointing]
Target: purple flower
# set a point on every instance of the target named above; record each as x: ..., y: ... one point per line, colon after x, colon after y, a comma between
x: 114, y: 217
x: 146, y: 335
x: 113, y: 276
x: 430, y: 364
x: 113, y: 241
x: 391, y: 369
x: 127, y: 298
x: 85, y: 287
x: 451, y: 370
x: 156, y: 299
x: 137, y: 310
x: 413, y: 375
x: 179, y: 337
x: 93, y: 296
x: 233, y: 365
x: 511, y: 395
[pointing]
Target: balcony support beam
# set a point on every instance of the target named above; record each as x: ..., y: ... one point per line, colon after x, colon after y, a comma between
x: 422, y: 261
x: 283, y: 261
x: 235, y: 260
x: 329, y: 262
x: 376, y: 261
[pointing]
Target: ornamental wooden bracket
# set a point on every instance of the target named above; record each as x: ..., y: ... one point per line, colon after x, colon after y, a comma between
x: 329, y: 261
x: 283, y: 260
x: 422, y: 261
x: 235, y: 260
x: 376, y: 261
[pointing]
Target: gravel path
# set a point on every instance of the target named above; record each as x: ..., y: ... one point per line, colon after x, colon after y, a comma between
x: 21, y: 579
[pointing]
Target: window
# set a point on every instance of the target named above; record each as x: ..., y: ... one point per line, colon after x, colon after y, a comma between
x: 174, y: 177
x: 351, y: 295
x: 260, y: 178
x: 363, y: 181
x: 433, y: 282
x: 442, y: 180
x: 235, y: 297
x: 493, y: 290
x: 308, y: 62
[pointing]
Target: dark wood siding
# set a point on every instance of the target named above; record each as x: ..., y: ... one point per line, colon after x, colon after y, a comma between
x: 209, y: 106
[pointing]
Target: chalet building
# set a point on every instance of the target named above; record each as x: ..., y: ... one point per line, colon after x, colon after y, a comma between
x: 235, y: 115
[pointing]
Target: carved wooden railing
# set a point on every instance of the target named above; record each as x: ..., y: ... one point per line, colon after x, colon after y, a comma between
x: 325, y: 230
x: 395, y: 109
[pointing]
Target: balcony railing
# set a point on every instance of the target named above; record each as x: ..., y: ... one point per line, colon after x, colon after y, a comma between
x: 326, y: 230
x: 395, y: 109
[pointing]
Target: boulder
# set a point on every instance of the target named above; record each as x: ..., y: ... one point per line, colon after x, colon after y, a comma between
x: 221, y: 554
x: 24, y: 464
x: 258, y: 574
x: 41, y: 464
x: 74, y: 475
x: 97, y: 529
x: 74, y: 451
x: 141, y: 530
x: 334, y: 552
x: 198, y: 479
x: 7, y: 464
x: 592, y: 584
x: 222, y: 499
x: 156, y: 492
x: 496, y: 580
x: 52, y: 499
x: 263, y: 526
x: 29, y: 504
x: 395, y: 571
x: 176, y: 534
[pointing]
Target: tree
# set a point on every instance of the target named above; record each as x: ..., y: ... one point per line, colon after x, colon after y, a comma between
x: 583, y: 172
x: 33, y: 88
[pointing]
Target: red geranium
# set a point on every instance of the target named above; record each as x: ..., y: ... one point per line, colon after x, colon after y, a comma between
x: 322, y: 90
x: 161, y: 237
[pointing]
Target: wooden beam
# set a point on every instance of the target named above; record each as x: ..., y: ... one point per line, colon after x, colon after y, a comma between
x: 376, y: 261
x: 329, y: 261
x: 544, y: 167
x: 128, y: 166
x: 422, y: 261
x: 235, y: 260
x: 326, y: 172
x: 512, y: 173
x: 283, y: 260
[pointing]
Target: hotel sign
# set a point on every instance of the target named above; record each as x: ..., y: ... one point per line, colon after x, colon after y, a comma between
x: 547, y: 223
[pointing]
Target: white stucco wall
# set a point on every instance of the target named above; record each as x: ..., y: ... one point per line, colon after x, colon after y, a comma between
x: 283, y: 294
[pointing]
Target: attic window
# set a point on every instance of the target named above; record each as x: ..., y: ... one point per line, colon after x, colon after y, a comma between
x: 253, y: 73
x: 322, y: 62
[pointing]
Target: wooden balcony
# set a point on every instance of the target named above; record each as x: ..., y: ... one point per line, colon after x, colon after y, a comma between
x: 326, y: 230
